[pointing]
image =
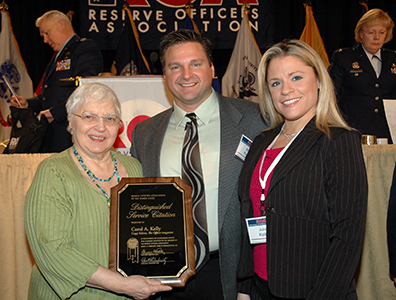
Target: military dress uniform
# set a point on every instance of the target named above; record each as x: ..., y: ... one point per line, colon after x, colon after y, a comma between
x: 79, y: 57
x: 360, y: 92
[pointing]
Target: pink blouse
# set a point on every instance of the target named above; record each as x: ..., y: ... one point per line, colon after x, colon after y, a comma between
x: 260, y: 250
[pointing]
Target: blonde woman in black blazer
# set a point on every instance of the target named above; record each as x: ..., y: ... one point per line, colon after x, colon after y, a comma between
x: 315, y: 199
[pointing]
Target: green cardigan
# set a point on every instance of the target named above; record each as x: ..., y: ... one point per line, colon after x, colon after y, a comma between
x: 67, y: 225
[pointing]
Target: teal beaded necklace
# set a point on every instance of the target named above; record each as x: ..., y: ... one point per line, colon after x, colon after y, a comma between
x: 93, y: 177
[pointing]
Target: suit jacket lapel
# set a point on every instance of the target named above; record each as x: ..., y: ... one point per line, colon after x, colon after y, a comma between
x: 296, y: 152
x: 385, y: 63
x: 156, y: 134
x: 50, y: 68
x: 230, y: 132
x: 364, y: 62
x: 52, y: 65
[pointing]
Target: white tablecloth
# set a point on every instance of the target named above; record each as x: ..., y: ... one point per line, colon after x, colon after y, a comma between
x: 17, y: 171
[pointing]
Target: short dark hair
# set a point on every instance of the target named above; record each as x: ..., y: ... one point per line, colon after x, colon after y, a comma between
x: 182, y: 36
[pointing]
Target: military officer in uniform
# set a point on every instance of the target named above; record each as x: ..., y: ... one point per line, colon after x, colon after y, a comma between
x: 366, y: 75
x: 74, y: 57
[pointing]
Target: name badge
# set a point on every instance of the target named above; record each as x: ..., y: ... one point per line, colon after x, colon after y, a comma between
x: 257, y: 229
x: 63, y: 65
x: 243, y: 147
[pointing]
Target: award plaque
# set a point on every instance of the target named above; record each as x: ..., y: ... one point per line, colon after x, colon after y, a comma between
x: 151, y: 229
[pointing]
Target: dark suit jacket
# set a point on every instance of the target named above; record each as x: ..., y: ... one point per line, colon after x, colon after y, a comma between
x: 237, y: 117
x: 360, y: 93
x: 391, y: 226
x: 316, y: 211
x: 85, y: 60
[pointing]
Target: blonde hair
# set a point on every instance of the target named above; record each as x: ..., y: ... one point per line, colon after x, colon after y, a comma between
x: 374, y: 17
x: 327, y: 112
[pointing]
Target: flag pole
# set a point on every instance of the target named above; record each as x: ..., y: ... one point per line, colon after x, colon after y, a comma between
x: 3, y: 6
x: 125, y: 8
x: 364, y: 3
x: 311, y: 35
x: 246, y: 11
x: 189, y: 8
x: 189, y: 5
x: 134, y: 29
x: 245, y: 6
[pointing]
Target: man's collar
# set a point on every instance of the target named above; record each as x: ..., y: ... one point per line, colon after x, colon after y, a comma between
x: 64, y: 45
x: 204, y: 112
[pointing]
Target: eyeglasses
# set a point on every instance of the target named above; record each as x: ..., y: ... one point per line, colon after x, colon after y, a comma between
x: 374, y: 32
x: 46, y: 32
x: 109, y: 120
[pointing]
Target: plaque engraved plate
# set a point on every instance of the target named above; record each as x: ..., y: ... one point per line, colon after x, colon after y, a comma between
x: 151, y: 229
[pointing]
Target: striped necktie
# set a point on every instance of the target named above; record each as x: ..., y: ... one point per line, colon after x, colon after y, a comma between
x: 192, y: 175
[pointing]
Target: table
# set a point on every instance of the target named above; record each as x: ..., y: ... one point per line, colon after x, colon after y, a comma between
x: 16, y: 261
x: 373, y: 279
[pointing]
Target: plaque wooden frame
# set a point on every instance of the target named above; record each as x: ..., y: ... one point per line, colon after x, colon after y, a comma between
x: 175, y: 279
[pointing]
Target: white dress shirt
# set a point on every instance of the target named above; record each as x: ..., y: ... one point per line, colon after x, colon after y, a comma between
x: 375, y: 61
x: 208, y: 118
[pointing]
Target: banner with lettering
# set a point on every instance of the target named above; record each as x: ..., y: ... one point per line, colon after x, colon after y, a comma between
x: 219, y: 20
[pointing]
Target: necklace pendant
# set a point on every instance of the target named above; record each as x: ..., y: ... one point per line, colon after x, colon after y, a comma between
x: 289, y: 135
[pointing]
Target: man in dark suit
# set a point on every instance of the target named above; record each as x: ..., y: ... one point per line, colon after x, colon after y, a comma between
x: 157, y: 143
x: 75, y: 57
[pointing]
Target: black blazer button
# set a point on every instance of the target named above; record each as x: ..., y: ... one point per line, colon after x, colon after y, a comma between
x: 271, y: 209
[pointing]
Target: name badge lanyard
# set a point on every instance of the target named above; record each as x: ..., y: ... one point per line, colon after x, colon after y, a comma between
x: 263, y: 181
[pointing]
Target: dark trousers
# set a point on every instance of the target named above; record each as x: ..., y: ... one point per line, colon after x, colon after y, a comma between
x: 205, y: 285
